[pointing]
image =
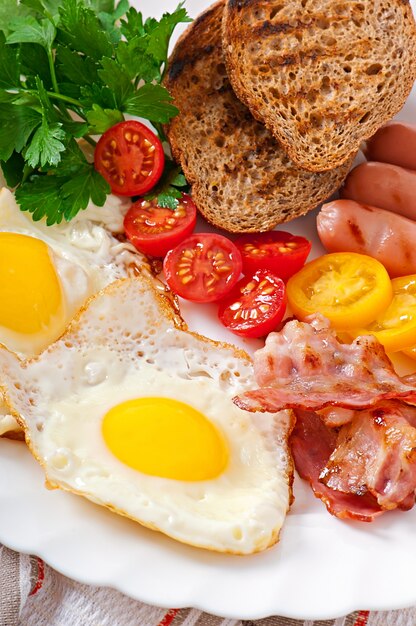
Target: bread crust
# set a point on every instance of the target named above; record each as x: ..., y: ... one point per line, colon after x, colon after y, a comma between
x: 322, y: 75
x: 242, y: 180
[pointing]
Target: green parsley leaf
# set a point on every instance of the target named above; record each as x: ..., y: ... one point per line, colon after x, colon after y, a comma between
x: 132, y: 55
x: 71, y: 90
x: 46, y: 145
x: 16, y: 125
x: 116, y: 79
x: 97, y: 94
x: 87, y: 184
x: 41, y: 196
x: 169, y: 199
x: 7, y: 96
x: 161, y: 32
x: 118, y: 11
x: 76, y: 129
x: 179, y: 179
x: 9, y: 64
x: 102, y: 6
x: 83, y: 31
x: 47, y: 8
x: 62, y: 197
x: 101, y: 119
x: 36, y: 5
x: 109, y: 18
x: 146, y: 45
x: 73, y: 160
x: 28, y: 100
x: 78, y: 69
x: 29, y: 30
x: 132, y: 25
x: 34, y: 62
x: 151, y: 102
x: 170, y: 188
x: 9, y: 9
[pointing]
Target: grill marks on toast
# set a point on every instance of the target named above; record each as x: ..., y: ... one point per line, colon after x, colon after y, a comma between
x: 322, y: 75
x: 242, y: 178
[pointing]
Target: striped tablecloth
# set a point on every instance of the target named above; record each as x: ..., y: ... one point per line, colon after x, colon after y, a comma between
x: 33, y: 594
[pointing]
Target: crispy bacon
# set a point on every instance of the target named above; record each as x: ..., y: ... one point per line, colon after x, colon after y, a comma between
x: 312, y: 444
x: 336, y: 416
x: 376, y: 453
x: 305, y: 366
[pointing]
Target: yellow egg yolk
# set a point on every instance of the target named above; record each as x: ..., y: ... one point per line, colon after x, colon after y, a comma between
x: 165, y: 438
x: 30, y: 291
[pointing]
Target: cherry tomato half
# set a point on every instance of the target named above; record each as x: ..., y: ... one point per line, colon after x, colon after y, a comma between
x: 203, y: 268
x: 255, y: 306
x: 154, y: 230
x: 278, y: 251
x: 130, y: 157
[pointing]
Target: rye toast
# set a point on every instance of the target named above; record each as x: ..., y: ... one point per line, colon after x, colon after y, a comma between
x: 242, y: 180
x: 322, y: 75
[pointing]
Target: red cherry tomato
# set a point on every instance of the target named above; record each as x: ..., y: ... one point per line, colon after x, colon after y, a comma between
x: 154, y: 230
x: 203, y: 268
x: 255, y: 306
x: 278, y: 251
x: 130, y: 157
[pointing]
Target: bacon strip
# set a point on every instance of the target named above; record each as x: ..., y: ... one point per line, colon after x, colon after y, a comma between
x: 335, y: 416
x: 312, y: 444
x: 376, y: 453
x: 304, y: 366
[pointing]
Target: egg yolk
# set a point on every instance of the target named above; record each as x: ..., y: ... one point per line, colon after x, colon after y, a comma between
x: 30, y: 291
x: 165, y: 438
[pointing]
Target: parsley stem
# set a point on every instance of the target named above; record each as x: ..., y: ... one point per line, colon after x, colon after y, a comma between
x: 59, y: 96
x: 52, y: 70
x: 27, y: 171
x: 55, y: 82
x: 160, y: 131
x: 90, y: 140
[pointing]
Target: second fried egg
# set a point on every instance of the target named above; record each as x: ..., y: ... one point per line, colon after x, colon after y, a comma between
x: 136, y: 414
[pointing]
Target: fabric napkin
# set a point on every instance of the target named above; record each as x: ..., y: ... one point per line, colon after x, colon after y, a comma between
x: 33, y: 594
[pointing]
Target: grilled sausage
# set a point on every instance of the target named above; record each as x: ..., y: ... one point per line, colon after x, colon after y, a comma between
x: 394, y: 143
x: 347, y: 226
x: 383, y: 185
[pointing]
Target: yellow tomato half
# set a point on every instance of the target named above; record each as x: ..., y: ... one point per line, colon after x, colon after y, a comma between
x: 349, y: 289
x: 395, y: 328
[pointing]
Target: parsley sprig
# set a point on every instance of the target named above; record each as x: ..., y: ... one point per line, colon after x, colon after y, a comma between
x: 71, y: 69
x: 170, y: 187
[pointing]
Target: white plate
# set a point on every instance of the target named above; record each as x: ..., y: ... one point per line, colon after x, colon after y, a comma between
x: 322, y: 568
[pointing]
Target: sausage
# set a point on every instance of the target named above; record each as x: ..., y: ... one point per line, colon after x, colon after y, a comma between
x: 387, y: 186
x: 394, y: 143
x: 347, y: 226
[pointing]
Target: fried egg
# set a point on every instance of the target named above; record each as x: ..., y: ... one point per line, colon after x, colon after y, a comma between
x: 134, y: 412
x: 47, y: 273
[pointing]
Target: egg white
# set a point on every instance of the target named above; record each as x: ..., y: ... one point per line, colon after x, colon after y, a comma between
x: 126, y: 345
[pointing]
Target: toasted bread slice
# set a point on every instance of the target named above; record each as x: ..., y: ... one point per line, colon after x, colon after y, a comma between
x: 322, y: 75
x: 242, y: 179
